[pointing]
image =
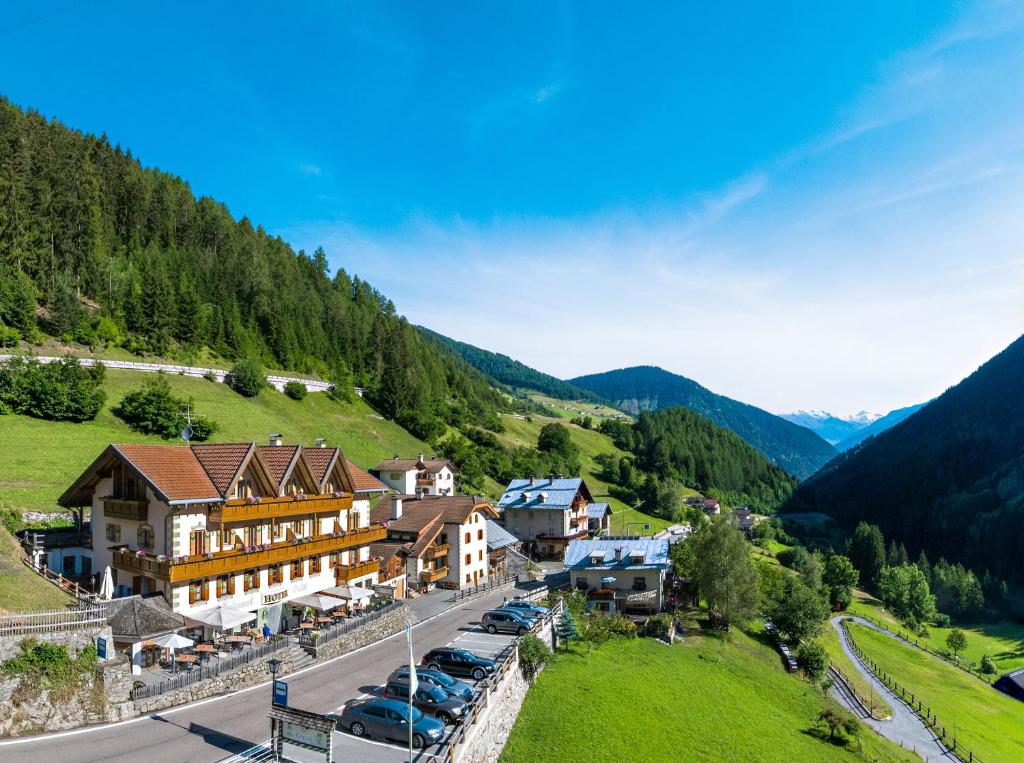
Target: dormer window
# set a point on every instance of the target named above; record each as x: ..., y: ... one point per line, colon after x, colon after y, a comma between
x: 541, y: 497
x: 636, y: 557
x: 527, y: 497
x: 596, y: 559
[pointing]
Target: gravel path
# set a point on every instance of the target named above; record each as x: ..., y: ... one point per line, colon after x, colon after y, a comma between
x: 905, y: 728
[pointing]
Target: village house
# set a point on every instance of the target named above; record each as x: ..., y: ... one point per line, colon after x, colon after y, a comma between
x: 241, y: 526
x: 418, y: 476
x: 624, y: 574
x: 499, y: 542
x: 444, y: 538
x: 547, y: 512
x: 744, y: 519
x: 599, y: 518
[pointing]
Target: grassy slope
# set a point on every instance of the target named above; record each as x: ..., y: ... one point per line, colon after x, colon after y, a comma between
x: 987, y: 722
x: 39, y: 459
x: 830, y: 640
x: 20, y: 588
x: 519, y: 432
x: 1002, y: 640
x: 709, y: 699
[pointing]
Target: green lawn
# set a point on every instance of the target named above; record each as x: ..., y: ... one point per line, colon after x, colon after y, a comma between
x: 830, y: 640
x: 39, y: 459
x: 591, y: 443
x: 1002, y: 640
x: 571, y: 409
x: 987, y: 722
x: 708, y: 699
x: 20, y: 588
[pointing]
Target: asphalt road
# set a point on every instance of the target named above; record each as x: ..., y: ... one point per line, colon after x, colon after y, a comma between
x: 217, y: 728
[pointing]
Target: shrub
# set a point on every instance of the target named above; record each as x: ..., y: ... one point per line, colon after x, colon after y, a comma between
x: 153, y: 409
x: 623, y: 626
x: 533, y: 654
x: 62, y: 391
x: 942, y: 620
x: 8, y: 336
x: 48, y: 663
x: 988, y: 665
x: 210, y: 376
x: 658, y: 626
x: 296, y: 390
x: 813, y: 659
x: 246, y: 377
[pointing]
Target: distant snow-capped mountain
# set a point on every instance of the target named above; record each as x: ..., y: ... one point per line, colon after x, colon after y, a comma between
x: 830, y: 427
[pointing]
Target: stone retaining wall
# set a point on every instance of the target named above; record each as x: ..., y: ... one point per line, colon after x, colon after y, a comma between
x: 388, y: 625
x: 75, y: 640
x: 247, y: 675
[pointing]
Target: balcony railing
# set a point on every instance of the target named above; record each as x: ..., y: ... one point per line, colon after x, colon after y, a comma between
x: 239, y: 510
x: 226, y: 562
x: 345, y: 572
x: 126, y: 508
x: 433, y: 552
x: 432, y: 576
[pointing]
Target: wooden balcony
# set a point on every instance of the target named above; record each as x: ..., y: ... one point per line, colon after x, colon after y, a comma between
x: 433, y: 552
x: 432, y: 576
x: 239, y: 510
x: 346, y: 572
x: 126, y: 508
x: 232, y: 561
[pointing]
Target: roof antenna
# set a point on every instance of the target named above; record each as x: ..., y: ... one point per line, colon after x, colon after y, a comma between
x: 186, y: 432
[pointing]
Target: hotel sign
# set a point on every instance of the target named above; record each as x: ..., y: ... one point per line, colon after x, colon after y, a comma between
x: 272, y: 598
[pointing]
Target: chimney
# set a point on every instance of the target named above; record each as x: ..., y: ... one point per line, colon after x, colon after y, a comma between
x: 618, y: 553
x: 276, y: 439
x: 396, y: 507
x: 533, y: 481
x: 321, y: 442
x: 421, y: 458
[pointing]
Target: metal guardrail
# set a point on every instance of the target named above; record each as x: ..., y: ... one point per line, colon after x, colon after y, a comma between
x: 28, y: 623
x: 490, y: 585
x: 924, y: 712
x: 331, y: 632
x: 211, y: 669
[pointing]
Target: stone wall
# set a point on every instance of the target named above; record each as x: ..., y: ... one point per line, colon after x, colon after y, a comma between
x: 247, y: 675
x: 74, y: 640
x: 388, y: 625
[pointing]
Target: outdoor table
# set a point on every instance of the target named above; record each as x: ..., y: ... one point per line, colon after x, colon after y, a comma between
x: 185, y: 659
x: 238, y: 639
x: 306, y: 626
x: 205, y: 648
x: 325, y: 620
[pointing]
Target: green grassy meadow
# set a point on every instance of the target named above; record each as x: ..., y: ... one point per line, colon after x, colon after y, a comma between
x: 830, y: 640
x: 707, y: 699
x: 39, y: 459
x: 21, y: 589
x: 987, y: 722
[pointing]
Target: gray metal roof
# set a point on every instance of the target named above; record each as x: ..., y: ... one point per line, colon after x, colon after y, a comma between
x: 580, y: 554
x: 526, y: 494
x: 498, y: 536
x: 598, y: 510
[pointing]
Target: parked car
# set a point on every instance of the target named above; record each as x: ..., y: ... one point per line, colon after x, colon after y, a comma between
x: 459, y: 662
x: 389, y: 719
x: 428, y: 698
x: 453, y: 687
x: 526, y: 606
x: 530, y: 617
x: 505, y: 621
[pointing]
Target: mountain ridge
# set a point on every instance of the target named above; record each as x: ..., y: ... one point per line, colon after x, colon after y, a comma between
x: 796, y: 449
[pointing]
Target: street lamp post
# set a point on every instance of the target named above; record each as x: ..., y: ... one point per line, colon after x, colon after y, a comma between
x: 274, y: 665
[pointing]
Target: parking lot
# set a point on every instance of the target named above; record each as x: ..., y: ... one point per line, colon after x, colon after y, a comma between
x: 470, y: 636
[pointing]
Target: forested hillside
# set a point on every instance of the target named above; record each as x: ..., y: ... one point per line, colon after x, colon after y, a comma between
x: 117, y: 253
x: 646, y: 388
x: 512, y: 373
x: 678, y: 445
x: 948, y: 480
x: 888, y: 421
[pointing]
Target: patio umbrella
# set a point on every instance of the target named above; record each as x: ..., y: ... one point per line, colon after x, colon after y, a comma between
x: 173, y: 641
x: 355, y: 593
x: 222, y: 618
x: 317, y: 601
x: 607, y: 580
x: 107, y: 587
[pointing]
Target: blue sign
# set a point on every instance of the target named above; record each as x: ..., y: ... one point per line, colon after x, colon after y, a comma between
x: 101, y: 647
x: 280, y: 693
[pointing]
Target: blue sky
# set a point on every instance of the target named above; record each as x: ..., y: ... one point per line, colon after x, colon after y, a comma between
x: 816, y: 206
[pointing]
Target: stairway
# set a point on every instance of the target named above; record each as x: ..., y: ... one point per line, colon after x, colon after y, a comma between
x: 297, y: 657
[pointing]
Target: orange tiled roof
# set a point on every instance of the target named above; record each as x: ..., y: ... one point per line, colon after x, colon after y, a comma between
x: 363, y: 481
x: 319, y: 460
x: 277, y: 458
x: 172, y: 470
x: 222, y: 462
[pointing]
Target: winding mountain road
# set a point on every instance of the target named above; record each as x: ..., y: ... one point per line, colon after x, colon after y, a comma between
x: 905, y: 728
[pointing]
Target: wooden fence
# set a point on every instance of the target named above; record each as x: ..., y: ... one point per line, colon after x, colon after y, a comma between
x: 30, y: 623
x: 924, y: 712
x: 65, y: 584
x: 913, y: 640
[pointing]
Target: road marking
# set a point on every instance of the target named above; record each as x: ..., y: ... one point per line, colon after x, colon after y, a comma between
x: 220, y: 697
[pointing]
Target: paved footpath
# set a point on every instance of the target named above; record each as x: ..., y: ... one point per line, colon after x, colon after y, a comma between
x: 219, y: 727
x: 905, y: 728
